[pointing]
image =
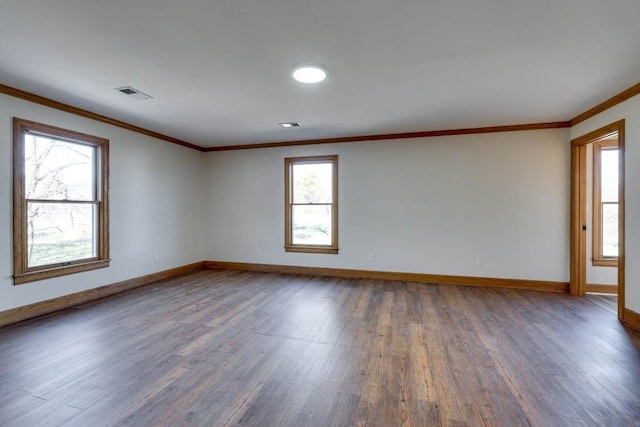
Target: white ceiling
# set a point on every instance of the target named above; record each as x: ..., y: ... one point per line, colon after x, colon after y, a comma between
x: 219, y: 70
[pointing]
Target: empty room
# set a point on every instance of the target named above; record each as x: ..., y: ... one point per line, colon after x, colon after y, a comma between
x: 298, y: 213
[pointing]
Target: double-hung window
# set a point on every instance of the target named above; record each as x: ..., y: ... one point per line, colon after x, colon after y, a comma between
x: 60, y: 201
x: 311, y: 204
x: 605, y: 202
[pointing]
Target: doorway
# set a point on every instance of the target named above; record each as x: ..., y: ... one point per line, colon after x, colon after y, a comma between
x: 606, y: 251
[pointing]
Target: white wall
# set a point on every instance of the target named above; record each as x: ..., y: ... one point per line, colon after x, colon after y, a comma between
x: 630, y: 111
x: 596, y: 275
x: 423, y: 205
x: 155, y: 205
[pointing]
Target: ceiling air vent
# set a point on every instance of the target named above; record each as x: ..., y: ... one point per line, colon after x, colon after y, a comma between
x: 134, y: 93
x: 290, y: 124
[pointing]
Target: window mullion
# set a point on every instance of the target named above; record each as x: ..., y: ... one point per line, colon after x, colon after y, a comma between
x: 63, y: 201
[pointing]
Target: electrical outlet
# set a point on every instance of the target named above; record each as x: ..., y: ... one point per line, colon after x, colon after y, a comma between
x: 372, y: 257
x: 479, y: 262
x: 157, y: 259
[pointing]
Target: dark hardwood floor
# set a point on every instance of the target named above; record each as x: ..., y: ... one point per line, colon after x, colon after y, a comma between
x: 608, y: 301
x: 218, y: 348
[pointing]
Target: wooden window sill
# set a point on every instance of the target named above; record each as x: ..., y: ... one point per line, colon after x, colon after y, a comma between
x: 605, y: 262
x: 311, y: 249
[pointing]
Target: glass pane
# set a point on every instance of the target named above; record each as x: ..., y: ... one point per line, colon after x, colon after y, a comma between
x: 609, y: 175
x: 58, y: 170
x: 311, y: 225
x: 312, y: 183
x: 59, y: 232
x: 610, y: 230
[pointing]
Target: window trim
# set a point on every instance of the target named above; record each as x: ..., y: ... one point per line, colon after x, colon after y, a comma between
x: 289, y: 246
x: 598, y: 259
x: 21, y: 272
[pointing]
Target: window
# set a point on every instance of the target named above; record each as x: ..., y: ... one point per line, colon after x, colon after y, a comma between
x: 605, y: 202
x: 311, y: 204
x: 60, y: 203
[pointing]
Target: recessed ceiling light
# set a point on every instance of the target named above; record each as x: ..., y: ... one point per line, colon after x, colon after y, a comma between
x: 134, y: 93
x: 309, y: 73
x: 290, y: 124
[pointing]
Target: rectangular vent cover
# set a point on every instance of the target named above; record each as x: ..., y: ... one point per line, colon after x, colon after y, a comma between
x: 134, y: 93
x: 290, y: 125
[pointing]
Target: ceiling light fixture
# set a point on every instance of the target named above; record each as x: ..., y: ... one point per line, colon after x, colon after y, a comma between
x: 309, y: 73
x: 290, y: 124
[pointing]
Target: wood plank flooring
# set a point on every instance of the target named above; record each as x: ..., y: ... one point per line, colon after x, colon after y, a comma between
x: 608, y: 301
x: 222, y: 348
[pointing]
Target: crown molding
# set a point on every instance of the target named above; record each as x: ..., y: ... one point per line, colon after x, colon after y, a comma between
x: 389, y: 136
x: 47, y: 102
x: 609, y: 103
